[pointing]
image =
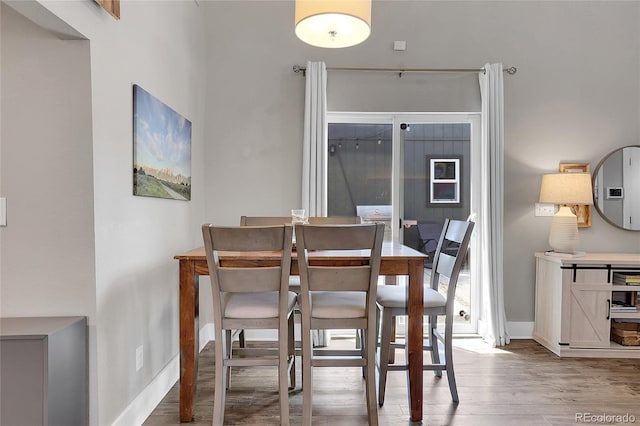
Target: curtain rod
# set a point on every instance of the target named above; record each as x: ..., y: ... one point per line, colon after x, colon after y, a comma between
x: 400, y: 71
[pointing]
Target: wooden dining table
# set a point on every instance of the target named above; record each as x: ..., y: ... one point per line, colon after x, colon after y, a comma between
x: 397, y: 260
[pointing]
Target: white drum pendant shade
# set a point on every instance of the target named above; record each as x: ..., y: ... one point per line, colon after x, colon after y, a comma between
x: 333, y: 23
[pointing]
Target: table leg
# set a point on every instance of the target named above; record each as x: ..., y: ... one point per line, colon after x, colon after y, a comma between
x: 414, y: 337
x: 392, y: 280
x: 189, y: 338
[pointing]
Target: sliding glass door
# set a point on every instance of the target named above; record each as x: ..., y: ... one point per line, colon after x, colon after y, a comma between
x: 411, y: 171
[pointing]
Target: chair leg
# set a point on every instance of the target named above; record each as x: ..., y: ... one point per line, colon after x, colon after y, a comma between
x: 220, y: 388
x: 283, y: 370
x: 291, y: 337
x: 448, y: 356
x: 361, y: 338
x: 378, y: 318
x: 385, y: 346
x: 433, y: 341
x: 370, y: 356
x: 392, y: 351
x: 307, y: 374
x: 229, y: 353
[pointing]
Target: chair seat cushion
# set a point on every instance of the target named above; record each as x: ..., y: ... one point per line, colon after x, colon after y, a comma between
x: 338, y: 304
x: 393, y: 296
x: 254, y: 305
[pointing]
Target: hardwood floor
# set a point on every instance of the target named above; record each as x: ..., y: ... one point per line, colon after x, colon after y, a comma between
x: 521, y: 384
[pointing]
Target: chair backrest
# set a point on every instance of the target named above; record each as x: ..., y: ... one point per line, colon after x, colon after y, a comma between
x: 334, y: 220
x: 281, y: 220
x: 264, y: 220
x: 366, y: 238
x: 450, y: 254
x: 249, y: 278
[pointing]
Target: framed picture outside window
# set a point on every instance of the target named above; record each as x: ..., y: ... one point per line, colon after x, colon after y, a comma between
x: 444, y: 180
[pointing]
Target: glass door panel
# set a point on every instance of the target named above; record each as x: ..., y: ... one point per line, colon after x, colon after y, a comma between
x: 435, y: 185
x: 435, y: 179
x: 359, y: 172
x: 359, y: 165
x: 410, y: 171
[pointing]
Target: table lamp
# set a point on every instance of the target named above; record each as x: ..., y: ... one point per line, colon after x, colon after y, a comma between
x: 565, y: 189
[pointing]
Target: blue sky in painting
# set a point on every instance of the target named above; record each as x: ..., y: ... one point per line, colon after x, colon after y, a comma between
x: 162, y: 136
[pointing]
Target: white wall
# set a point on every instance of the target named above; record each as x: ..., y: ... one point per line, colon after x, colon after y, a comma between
x: 134, y: 290
x: 48, y: 254
x: 575, y: 98
x: 47, y: 172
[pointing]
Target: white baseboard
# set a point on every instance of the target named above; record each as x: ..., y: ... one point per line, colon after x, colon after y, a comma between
x: 147, y: 400
x: 520, y: 329
x: 515, y: 329
x: 207, y: 334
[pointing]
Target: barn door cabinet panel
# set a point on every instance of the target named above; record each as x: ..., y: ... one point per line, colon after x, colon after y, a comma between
x: 573, y: 312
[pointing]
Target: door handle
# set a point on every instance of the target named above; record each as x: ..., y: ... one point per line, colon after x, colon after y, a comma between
x: 408, y: 223
x: 608, y: 308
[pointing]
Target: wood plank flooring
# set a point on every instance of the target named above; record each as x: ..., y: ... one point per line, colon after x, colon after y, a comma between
x: 521, y: 384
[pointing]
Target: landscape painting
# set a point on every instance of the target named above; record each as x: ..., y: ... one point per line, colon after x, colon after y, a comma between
x: 161, y: 149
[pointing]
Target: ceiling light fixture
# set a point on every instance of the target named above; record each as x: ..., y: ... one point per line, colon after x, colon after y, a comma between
x: 333, y: 23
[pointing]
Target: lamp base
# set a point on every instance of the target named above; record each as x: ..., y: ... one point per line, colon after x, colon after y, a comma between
x: 563, y: 235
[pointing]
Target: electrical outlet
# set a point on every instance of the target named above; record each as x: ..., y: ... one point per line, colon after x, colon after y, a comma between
x: 545, y: 209
x: 139, y: 358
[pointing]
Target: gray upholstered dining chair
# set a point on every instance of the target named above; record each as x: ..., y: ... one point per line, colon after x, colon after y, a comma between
x: 339, y: 296
x: 294, y: 281
x: 251, y: 296
x: 392, y: 302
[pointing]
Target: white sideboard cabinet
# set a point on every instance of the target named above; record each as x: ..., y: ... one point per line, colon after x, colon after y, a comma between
x: 573, y: 312
x: 43, y: 371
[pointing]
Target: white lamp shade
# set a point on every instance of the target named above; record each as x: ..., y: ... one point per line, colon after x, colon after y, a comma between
x: 333, y: 23
x: 566, y: 188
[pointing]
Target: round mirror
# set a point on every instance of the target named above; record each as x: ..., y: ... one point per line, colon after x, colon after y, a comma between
x: 616, y: 188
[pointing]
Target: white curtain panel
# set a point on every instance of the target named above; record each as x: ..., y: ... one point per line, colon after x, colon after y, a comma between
x: 314, y: 154
x: 493, y: 323
x: 315, y: 131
